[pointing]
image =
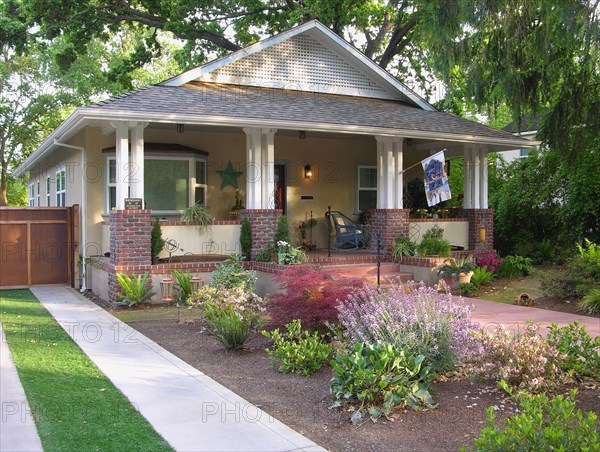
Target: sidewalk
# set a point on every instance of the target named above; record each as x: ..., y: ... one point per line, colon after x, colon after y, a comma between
x: 191, y: 411
x: 515, y: 317
x: 17, y: 428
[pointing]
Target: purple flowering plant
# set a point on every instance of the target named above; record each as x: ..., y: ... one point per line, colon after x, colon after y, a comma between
x: 422, y: 320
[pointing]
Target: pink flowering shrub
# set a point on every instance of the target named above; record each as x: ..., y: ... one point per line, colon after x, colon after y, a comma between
x: 424, y: 321
x: 526, y: 362
x: 233, y: 313
x: 492, y: 262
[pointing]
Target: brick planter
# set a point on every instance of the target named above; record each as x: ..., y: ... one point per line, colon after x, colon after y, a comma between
x: 263, y: 223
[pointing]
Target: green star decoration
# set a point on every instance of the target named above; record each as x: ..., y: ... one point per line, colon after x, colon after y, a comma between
x: 229, y: 176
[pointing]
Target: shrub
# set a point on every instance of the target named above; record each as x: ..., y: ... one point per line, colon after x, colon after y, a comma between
x: 309, y: 295
x: 590, y: 303
x: 491, y: 261
x: 515, y: 266
x: 435, y: 232
x: 481, y: 276
x: 264, y: 255
x: 525, y: 361
x: 542, y: 424
x: 184, y: 281
x: 246, y: 238
x: 581, y: 351
x: 580, y: 275
x: 232, y: 313
x: 434, y: 246
x: 156, y: 241
x: 298, y: 351
x: 134, y: 290
x: 424, y: 321
x: 467, y: 288
x: 282, y: 232
x: 403, y: 246
x: 230, y: 274
x: 379, y: 378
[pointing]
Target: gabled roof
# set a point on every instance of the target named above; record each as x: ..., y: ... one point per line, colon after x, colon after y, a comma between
x: 530, y: 124
x: 309, y: 57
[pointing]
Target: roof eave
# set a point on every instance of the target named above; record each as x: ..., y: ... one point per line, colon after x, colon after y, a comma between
x: 67, y: 126
x: 214, y: 120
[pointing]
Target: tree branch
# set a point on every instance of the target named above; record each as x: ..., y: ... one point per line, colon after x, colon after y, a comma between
x: 397, y: 43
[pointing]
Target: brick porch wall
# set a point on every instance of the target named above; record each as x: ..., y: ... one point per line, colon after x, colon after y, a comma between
x: 130, y: 232
x: 388, y: 224
x: 478, y: 218
x: 263, y: 223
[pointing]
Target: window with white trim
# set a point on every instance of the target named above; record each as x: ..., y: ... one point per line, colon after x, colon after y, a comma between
x: 38, y: 195
x: 61, y: 187
x: 170, y: 183
x: 31, y: 195
x: 366, y: 188
x: 48, y: 185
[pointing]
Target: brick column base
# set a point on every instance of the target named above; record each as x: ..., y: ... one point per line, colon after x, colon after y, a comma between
x: 479, y: 218
x: 130, y: 232
x: 263, y: 223
x: 388, y: 224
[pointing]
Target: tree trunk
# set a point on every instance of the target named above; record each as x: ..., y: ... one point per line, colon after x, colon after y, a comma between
x: 3, y: 201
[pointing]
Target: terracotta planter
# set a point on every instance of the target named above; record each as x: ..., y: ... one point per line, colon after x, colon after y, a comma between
x: 465, y: 278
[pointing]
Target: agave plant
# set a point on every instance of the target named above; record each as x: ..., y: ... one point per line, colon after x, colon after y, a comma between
x: 134, y: 290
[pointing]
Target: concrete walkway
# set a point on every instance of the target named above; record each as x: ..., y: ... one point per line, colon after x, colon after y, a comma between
x: 190, y: 410
x: 17, y: 428
x: 513, y: 317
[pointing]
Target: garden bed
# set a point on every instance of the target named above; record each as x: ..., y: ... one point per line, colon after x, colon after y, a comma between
x: 303, y: 403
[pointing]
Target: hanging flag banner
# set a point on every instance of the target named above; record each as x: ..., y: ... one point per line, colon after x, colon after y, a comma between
x: 437, y: 188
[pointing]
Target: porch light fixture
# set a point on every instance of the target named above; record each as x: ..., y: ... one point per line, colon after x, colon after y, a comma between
x: 481, y: 234
x: 301, y: 134
x: 166, y: 289
x: 308, y: 172
x: 180, y: 128
x: 197, y: 282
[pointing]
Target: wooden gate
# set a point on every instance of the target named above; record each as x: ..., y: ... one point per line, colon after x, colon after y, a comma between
x: 38, y: 245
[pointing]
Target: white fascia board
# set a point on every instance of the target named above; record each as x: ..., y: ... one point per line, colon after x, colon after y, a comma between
x: 68, y: 127
x: 353, y: 56
x: 213, y: 120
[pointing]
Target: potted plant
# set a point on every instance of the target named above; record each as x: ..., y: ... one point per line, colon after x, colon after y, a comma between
x: 459, y: 269
x: 198, y: 215
x: 234, y: 213
x: 422, y: 213
x: 157, y: 243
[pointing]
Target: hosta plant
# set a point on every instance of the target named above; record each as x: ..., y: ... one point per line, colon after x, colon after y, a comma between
x: 134, y: 290
x: 297, y: 350
x: 378, y: 378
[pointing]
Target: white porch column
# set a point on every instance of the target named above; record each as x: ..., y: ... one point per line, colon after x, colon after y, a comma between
x: 122, y: 162
x: 467, y: 176
x: 253, y: 168
x: 381, y: 185
x: 398, y: 174
x: 483, y: 171
x: 268, y: 168
x: 476, y: 179
x: 389, y: 176
x: 137, y: 160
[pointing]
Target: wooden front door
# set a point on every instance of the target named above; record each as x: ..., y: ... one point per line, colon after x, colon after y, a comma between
x: 280, y: 188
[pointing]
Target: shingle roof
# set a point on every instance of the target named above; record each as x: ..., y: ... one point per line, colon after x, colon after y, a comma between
x: 243, y: 102
x: 529, y: 123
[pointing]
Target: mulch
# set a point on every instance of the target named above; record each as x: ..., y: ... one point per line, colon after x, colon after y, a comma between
x: 304, y: 403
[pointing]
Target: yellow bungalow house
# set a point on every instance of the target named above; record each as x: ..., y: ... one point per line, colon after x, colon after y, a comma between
x: 258, y: 118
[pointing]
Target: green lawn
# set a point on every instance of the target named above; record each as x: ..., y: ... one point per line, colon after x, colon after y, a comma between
x: 75, y: 406
x: 512, y: 289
